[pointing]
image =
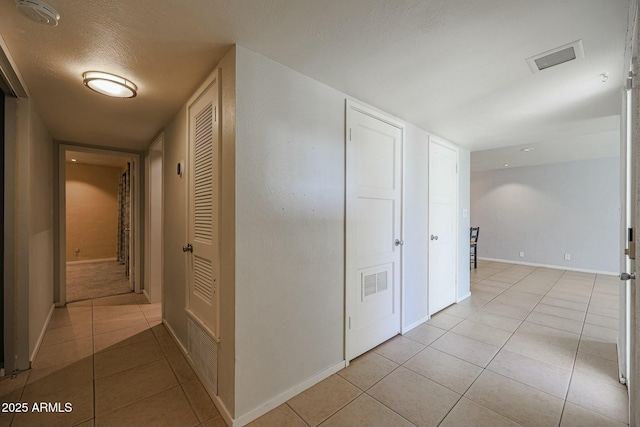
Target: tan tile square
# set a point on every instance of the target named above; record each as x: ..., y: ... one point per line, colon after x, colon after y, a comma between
x: 64, y: 333
x: 368, y: 369
x: 559, y: 302
x: 200, y: 401
x: 605, y: 349
x: 460, y: 310
x: 545, y: 334
x: 518, y: 402
x: 120, y: 337
x: 64, y: 316
x: 282, y: 416
x: 88, y: 423
x: 576, y: 416
x: 605, y: 311
x: 600, y: 332
x: 168, y: 408
x: 543, y: 376
x: 323, y: 399
x: 425, y: 334
x: 122, y: 388
x: 607, y: 322
x: 10, y: 385
x: 180, y: 366
x: 365, y: 411
x: 80, y: 397
x: 482, y: 333
x: 86, y: 303
x: 59, y: 377
x: 565, y: 313
x: 443, y: 321
x: 112, y: 312
x: 399, y: 349
x: 607, y: 400
x: 416, y: 398
x: 122, y: 322
x: 506, y: 310
x: 7, y: 417
x: 124, y: 299
x: 469, y: 413
x: 596, y: 368
x: 65, y: 353
x: 446, y: 370
x: 467, y: 349
x: 114, y: 360
x: 495, y: 321
x: 525, y: 345
x: 574, y: 326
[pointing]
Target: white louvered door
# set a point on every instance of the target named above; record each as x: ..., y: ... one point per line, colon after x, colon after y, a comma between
x: 203, y: 171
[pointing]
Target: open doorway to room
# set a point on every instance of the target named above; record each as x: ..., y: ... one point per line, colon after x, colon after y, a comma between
x: 99, y: 215
x: 98, y: 219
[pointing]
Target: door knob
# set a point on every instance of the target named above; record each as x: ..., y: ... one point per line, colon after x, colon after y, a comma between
x: 627, y: 276
x: 399, y: 242
x: 188, y: 248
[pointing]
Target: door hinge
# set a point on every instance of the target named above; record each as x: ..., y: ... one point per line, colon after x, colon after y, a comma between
x: 349, y: 322
x: 349, y: 134
x: 631, y: 80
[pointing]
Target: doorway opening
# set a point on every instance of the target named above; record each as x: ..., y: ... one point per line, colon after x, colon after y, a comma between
x: 98, y: 216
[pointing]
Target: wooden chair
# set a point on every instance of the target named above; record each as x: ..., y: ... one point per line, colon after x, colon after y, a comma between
x: 474, y: 247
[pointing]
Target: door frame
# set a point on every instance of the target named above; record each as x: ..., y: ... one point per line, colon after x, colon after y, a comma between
x: 456, y: 238
x: 60, y: 258
x: 153, y: 295
x: 349, y: 304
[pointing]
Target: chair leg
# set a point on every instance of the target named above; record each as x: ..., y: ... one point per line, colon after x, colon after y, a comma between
x: 475, y: 256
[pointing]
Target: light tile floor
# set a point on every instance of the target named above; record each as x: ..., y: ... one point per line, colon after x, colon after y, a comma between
x: 114, y: 361
x: 530, y: 347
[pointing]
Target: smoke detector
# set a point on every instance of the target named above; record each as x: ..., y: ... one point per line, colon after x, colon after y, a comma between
x: 38, y: 11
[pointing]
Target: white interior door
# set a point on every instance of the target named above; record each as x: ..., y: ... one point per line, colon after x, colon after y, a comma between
x: 633, y: 320
x: 203, y: 171
x: 443, y: 206
x: 373, y: 235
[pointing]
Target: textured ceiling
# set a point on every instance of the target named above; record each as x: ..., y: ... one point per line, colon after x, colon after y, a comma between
x: 455, y: 68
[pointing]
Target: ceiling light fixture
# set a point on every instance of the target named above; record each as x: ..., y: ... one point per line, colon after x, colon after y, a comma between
x: 505, y: 165
x: 73, y: 160
x: 109, y: 84
x: 527, y: 149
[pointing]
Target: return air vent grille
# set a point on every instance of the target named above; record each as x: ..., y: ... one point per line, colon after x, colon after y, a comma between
x: 203, y: 351
x: 557, y: 56
x: 374, y: 283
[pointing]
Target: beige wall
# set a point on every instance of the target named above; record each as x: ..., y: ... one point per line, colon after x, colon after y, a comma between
x: 92, y: 211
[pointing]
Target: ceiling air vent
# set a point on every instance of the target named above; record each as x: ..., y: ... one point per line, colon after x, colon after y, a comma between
x: 556, y: 56
x: 38, y: 11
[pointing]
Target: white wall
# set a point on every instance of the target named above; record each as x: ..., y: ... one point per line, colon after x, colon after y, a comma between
x: 289, y: 229
x: 547, y: 211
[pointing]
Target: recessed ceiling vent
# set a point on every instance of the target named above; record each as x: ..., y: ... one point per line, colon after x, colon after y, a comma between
x: 556, y: 56
x: 38, y: 11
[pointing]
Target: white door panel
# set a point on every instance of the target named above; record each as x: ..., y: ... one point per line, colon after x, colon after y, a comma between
x: 443, y: 196
x: 374, y: 201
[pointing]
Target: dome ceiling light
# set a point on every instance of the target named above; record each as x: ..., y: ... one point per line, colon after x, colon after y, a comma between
x: 109, y: 84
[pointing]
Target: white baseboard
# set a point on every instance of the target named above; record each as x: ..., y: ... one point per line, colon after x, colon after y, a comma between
x: 556, y: 267
x: 90, y: 261
x: 415, y: 324
x: 283, y: 397
x: 146, y: 296
x: 42, y: 332
x: 226, y: 415
x: 465, y: 296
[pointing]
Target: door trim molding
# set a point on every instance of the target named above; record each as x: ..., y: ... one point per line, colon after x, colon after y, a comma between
x: 60, y: 259
x: 386, y: 118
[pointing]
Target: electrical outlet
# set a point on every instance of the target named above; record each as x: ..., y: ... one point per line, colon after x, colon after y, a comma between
x: 567, y: 257
x: 521, y: 254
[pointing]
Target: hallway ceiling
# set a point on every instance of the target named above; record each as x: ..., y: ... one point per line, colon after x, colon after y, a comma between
x: 455, y: 68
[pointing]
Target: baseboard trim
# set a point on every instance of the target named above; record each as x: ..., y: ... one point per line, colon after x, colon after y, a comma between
x: 90, y: 261
x: 42, y: 332
x: 465, y: 296
x: 556, y: 267
x: 415, y: 324
x: 146, y: 296
x: 226, y: 415
x: 283, y: 397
